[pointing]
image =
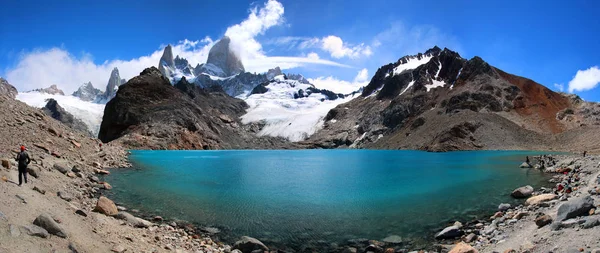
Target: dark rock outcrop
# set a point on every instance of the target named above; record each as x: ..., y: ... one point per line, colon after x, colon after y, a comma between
x: 148, y: 112
x: 7, y: 89
x: 54, y: 110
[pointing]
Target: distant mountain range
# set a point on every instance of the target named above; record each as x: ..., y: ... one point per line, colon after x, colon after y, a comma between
x: 435, y: 101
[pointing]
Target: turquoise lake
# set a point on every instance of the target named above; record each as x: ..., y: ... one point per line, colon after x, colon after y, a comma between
x: 322, y: 196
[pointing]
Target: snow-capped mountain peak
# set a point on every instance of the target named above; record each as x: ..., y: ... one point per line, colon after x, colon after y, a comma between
x: 87, y: 92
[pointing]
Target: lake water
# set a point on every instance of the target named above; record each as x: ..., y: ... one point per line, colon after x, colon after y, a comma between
x: 313, y: 197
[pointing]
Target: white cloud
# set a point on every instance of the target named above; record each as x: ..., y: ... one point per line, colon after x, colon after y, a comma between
x: 559, y: 86
x: 42, y: 68
x: 339, y: 49
x: 313, y: 55
x: 585, y: 80
x: 340, y: 86
x: 243, y: 34
x: 362, y: 76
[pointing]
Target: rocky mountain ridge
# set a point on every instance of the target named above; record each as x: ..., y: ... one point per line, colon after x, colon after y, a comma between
x: 439, y: 101
x: 7, y: 89
x: 52, y: 90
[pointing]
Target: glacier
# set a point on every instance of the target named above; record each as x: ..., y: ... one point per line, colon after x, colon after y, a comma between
x: 88, y: 112
x: 286, y: 116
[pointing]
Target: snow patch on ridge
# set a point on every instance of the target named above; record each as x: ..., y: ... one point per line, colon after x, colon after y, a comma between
x: 284, y: 116
x: 412, y: 63
x: 435, y: 84
x: 88, y: 112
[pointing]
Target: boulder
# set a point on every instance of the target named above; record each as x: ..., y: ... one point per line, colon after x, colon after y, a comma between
x: 34, y: 230
x: 462, y: 247
x: 522, y: 192
x: 393, y: 239
x: 34, y: 171
x: 132, y: 220
x: 6, y: 164
x: 106, y: 206
x: 449, y: 233
x: 46, y: 222
x: 536, y: 200
x: 525, y: 165
x: 543, y: 220
x: 248, y: 244
x: 503, y: 207
x: 471, y: 237
x: 61, y: 168
x: 574, y: 208
x: 591, y: 222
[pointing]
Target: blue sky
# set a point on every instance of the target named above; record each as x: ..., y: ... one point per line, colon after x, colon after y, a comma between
x: 333, y: 42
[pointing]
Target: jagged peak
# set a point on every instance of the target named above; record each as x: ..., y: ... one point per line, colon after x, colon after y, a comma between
x: 433, y: 51
x: 167, y: 56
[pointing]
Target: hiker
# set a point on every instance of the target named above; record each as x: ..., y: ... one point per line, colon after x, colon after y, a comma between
x: 23, y: 159
x: 584, y: 152
x: 527, y: 159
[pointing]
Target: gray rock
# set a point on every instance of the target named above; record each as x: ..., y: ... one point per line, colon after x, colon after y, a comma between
x: 94, y: 179
x: 449, y: 233
x: 34, y: 171
x: 574, y: 208
x: 248, y: 244
x: 14, y: 230
x: 571, y: 223
x: 132, y: 220
x: 471, y: 237
x: 62, y: 168
x: 34, y: 230
x: 47, y: 222
x: 3, y: 217
x: 65, y: 196
x: 590, y: 222
x: 525, y: 165
x: 522, y: 192
x: 503, y: 207
x: 393, y: 239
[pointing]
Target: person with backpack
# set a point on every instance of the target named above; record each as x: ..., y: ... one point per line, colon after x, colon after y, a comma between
x: 23, y: 159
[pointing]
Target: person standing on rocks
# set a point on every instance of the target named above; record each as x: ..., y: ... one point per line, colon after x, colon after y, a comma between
x: 23, y: 159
